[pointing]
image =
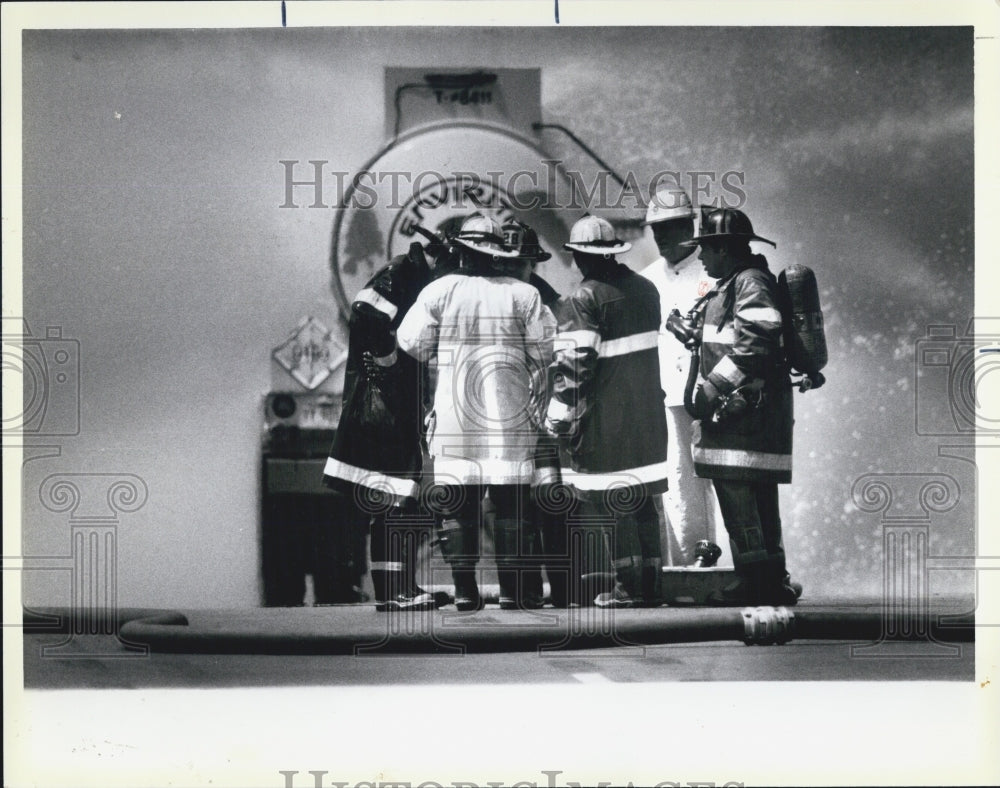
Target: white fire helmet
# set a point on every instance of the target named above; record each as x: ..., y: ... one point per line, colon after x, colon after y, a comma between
x: 669, y: 202
x: 594, y: 235
x: 483, y: 234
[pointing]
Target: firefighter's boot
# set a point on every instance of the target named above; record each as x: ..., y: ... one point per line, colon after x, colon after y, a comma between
x: 742, y: 592
x: 556, y: 556
x: 392, y: 589
x: 628, y: 566
x: 796, y: 587
x: 411, y: 551
x: 776, y: 587
x: 459, y: 542
x: 756, y: 584
x: 467, y: 596
x: 652, y: 582
x: 381, y: 565
x: 380, y: 580
x: 648, y: 533
x: 532, y: 588
x: 506, y: 541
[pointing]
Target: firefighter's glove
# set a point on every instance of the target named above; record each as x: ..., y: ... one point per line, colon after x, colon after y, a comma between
x: 560, y: 429
x: 561, y: 420
x: 379, y: 368
x: 706, y: 399
x: 735, y: 404
x: 682, y: 328
x: 809, y: 381
x: 417, y: 254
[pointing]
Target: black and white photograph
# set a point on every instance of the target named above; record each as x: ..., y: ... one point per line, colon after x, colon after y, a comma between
x: 529, y: 393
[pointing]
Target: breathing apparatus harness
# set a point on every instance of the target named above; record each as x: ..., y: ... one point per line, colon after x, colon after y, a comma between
x: 803, y: 345
x: 688, y: 329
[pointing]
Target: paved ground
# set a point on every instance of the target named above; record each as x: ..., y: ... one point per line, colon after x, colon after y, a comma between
x: 813, y: 661
x: 205, y: 707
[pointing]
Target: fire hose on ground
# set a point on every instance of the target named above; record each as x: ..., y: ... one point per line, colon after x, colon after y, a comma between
x: 350, y: 629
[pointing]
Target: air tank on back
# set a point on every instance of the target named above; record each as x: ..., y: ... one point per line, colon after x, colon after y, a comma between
x: 805, y: 339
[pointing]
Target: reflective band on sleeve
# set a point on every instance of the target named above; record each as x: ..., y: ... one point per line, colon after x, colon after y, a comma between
x: 718, y: 336
x: 404, y: 488
x: 630, y: 344
x: 728, y: 371
x: 382, y: 304
x: 743, y: 458
x: 545, y: 475
x: 627, y: 561
x: 386, y: 361
x: 616, y: 479
x: 760, y: 314
x: 386, y: 566
x: 574, y: 340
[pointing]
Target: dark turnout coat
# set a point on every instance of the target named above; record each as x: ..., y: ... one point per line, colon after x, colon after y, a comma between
x: 377, y: 449
x: 606, y: 383
x: 741, y: 345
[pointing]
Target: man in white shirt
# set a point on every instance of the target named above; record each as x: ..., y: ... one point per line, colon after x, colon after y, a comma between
x: 681, y: 280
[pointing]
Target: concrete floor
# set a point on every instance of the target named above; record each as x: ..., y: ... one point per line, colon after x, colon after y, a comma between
x: 811, y: 711
x: 810, y: 661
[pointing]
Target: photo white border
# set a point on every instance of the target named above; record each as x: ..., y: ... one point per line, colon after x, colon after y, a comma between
x: 847, y: 733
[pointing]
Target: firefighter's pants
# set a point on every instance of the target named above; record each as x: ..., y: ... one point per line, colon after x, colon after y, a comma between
x: 750, y: 512
x: 461, y: 511
x: 396, y: 538
x: 629, y: 519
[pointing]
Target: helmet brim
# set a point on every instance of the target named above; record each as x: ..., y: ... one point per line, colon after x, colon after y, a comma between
x: 624, y: 246
x: 658, y: 219
x: 491, y: 250
x: 538, y: 257
x: 723, y: 236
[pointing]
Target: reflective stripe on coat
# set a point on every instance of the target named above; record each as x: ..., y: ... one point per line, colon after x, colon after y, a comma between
x: 606, y: 383
x: 373, y: 459
x: 490, y: 338
x: 741, y: 343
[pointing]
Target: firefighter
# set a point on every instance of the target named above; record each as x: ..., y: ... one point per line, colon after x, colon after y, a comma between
x: 546, y: 526
x: 743, y: 439
x: 375, y: 462
x: 689, y: 503
x: 522, y: 238
x: 491, y: 336
x: 607, y: 403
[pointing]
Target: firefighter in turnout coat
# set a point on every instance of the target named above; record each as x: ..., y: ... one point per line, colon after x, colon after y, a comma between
x: 376, y: 458
x: 743, y: 441
x: 490, y: 336
x: 546, y: 531
x: 607, y: 400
